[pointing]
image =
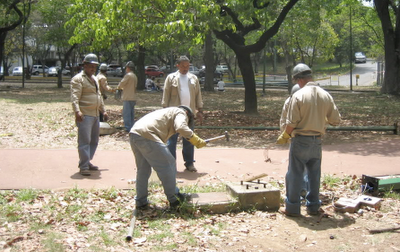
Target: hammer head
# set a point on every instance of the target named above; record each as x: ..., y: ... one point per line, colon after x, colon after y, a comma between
x: 227, y: 136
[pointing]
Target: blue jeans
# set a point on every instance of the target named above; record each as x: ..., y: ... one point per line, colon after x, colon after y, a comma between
x: 88, y: 139
x: 305, y: 155
x: 128, y: 114
x: 187, y: 149
x: 153, y: 154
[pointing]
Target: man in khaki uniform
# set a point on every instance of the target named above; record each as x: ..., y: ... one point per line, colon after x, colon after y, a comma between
x: 147, y: 138
x: 309, y: 112
x: 104, y: 87
x: 183, y: 88
x: 128, y: 85
x: 87, y: 103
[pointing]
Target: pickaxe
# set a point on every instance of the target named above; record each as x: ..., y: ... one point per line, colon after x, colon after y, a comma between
x: 226, y: 135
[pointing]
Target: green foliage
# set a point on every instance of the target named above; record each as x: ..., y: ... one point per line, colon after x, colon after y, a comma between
x: 53, y: 242
x: 330, y: 181
x: 26, y: 195
x: 75, y: 193
x: 10, y: 212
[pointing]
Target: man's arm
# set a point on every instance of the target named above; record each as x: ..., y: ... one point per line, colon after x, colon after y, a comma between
x: 166, y: 92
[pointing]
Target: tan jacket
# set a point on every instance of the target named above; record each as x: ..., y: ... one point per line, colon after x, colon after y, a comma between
x: 310, y: 111
x: 85, y: 96
x: 103, y: 83
x: 160, y: 125
x: 171, y: 92
x: 128, y: 84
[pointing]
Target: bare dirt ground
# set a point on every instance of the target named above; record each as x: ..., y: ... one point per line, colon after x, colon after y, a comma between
x: 76, y: 220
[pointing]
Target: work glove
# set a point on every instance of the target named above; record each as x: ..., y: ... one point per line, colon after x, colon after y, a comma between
x: 197, y: 141
x: 283, y: 138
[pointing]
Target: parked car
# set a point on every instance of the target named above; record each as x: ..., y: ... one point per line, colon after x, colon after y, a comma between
x: 114, y: 71
x: 202, y: 73
x: 360, y: 57
x: 152, y: 66
x: 66, y: 71
x: 150, y: 71
x: 53, y: 71
x: 167, y: 69
x: 222, y: 68
x: 36, y: 69
x: 194, y: 70
x: 17, y: 71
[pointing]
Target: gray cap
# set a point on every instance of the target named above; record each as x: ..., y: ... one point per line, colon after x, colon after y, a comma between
x: 301, y: 71
x: 130, y: 64
x: 91, y: 58
x: 103, y: 67
x: 182, y: 58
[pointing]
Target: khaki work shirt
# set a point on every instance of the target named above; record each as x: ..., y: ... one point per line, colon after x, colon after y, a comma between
x: 103, y: 83
x: 171, y: 94
x: 160, y: 125
x: 310, y: 111
x: 86, y: 95
x: 128, y: 84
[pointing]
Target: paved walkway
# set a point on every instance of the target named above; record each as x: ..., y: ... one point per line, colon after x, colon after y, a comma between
x: 57, y: 169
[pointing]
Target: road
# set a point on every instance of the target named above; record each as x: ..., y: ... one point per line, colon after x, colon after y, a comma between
x: 366, y: 71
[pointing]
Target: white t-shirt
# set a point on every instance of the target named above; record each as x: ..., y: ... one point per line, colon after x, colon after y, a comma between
x: 184, y: 91
x: 221, y: 85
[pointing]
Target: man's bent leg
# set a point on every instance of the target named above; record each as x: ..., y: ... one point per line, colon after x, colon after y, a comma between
x: 160, y: 158
x: 143, y: 171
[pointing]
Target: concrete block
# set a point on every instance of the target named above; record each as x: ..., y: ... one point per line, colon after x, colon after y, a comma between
x: 347, y: 205
x: 215, y: 202
x: 370, y: 201
x: 106, y: 129
x: 261, y: 196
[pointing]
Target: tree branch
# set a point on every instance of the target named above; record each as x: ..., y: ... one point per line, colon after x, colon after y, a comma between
x: 255, y: 5
x: 12, y: 26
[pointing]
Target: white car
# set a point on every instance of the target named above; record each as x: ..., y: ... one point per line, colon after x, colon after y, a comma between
x: 360, y: 57
x: 17, y: 71
x: 222, y: 68
x: 53, y: 71
x: 36, y: 69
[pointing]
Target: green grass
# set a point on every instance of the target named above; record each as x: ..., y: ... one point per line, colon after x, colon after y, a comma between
x: 330, y: 181
x: 27, y: 195
x: 10, y: 212
x: 53, y: 242
x: 391, y: 194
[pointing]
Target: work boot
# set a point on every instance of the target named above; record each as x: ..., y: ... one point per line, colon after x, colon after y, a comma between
x: 283, y: 211
x: 180, y: 199
x: 93, y: 167
x: 84, y: 172
x: 191, y: 168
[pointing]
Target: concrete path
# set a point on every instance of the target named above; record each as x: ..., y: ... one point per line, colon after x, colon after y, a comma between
x: 57, y: 169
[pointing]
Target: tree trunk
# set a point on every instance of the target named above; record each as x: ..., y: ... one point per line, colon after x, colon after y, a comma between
x: 237, y: 42
x: 391, y: 83
x: 209, y: 62
x: 140, y: 68
x: 250, y: 95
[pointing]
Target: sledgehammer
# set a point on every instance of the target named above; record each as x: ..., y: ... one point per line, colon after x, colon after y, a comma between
x: 226, y: 135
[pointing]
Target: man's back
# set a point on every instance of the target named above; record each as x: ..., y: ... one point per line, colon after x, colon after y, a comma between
x: 311, y: 110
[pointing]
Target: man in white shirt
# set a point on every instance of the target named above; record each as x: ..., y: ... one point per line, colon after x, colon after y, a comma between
x: 183, y: 88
